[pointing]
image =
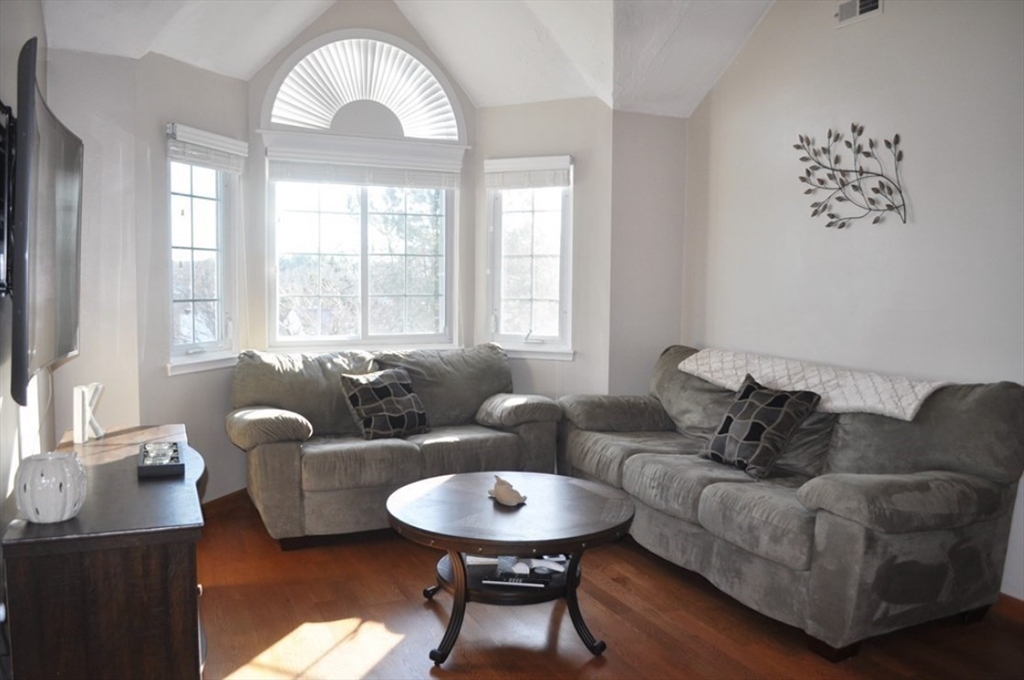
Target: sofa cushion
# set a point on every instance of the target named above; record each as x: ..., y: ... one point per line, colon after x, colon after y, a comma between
x: 332, y: 463
x: 764, y: 518
x: 674, y: 484
x: 308, y: 384
x: 973, y: 429
x: 694, y: 405
x: 453, y: 383
x: 467, y: 448
x: 601, y: 455
x: 757, y: 426
x: 384, y: 404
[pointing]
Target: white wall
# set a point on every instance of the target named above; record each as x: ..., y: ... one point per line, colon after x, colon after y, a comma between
x: 583, y: 129
x: 648, y: 171
x: 95, y: 97
x: 939, y: 297
x: 169, y: 91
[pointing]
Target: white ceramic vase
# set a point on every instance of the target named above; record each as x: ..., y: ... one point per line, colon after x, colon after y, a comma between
x: 51, y: 487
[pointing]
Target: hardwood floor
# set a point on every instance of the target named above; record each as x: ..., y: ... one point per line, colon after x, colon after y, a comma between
x: 354, y: 608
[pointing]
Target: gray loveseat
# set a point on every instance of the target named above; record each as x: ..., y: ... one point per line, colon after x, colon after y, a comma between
x: 311, y: 472
x: 866, y: 524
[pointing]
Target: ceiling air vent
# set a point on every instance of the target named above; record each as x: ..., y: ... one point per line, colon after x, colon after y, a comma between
x: 851, y: 11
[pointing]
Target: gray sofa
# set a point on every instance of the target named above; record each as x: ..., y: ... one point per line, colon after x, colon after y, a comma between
x: 866, y: 524
x: 311, y: 472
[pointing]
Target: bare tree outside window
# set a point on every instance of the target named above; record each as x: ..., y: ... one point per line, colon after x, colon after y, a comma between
x: 329, y: 235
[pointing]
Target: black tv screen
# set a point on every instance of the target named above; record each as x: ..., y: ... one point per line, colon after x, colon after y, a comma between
x: 45, y: 239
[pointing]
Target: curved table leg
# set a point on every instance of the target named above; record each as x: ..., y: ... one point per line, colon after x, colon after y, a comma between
x: 572, y: 580
x: 461, y: 590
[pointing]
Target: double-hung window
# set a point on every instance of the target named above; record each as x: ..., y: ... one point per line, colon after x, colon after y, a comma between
x: 357, y: 262
x: 530, y: 268
x: 204, y: 171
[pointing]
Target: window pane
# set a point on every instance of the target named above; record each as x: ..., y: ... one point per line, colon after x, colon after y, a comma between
x: 297, y: 275
x: 548, y: 198
x: 181, y: 323
x: 545, y: 318
x: 424, y: 235
x: 516, y: 278
x: 181, y: 274
x: 339, y: 233
x: 296, y: 196
x: 545, y: 278
x: 297, y: 232
x: 424, y: 315
x: 181, y: 178
x: 205, y: 273
x: 386, y: 315
x: 423, y: 276
x: 206, y: 321
x: 339, y: 198
x: 298, y: 316
x: 181, y: 221
x: 513, y: 200
x: 339, y: 275
x: 547, y: 233
x: 340, y: 316
x: 204, y: 182
x: 515, y: 317
x: 386, y: 234
x: 386, y: 275
x: 424, y: 201
x: 204, y: 223
x: 385, y: 200
x: 516, y: 233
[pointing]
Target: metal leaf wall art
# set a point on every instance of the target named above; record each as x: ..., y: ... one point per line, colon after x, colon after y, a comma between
x: 852, y: 190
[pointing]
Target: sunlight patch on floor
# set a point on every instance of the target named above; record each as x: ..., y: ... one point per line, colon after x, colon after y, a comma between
x: 349, y: 648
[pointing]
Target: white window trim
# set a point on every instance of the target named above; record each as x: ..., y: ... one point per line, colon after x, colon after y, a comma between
x: 227, y: 156
x: 535, y: 172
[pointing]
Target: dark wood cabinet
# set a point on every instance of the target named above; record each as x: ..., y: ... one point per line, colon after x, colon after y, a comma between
x: 112, y: 592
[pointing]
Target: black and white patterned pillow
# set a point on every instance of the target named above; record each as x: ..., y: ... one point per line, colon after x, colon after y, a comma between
x: 384, y: 405
x: 757, y: 426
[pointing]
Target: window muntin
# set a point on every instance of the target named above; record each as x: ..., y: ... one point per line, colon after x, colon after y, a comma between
x: 360, y: 262
x: 197, y: 206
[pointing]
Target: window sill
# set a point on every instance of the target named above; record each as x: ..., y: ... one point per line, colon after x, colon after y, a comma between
x: 540, y: 353
x: 201, y: 362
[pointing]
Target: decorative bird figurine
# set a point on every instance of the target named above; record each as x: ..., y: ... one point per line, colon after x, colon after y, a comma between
x: 504, y: 493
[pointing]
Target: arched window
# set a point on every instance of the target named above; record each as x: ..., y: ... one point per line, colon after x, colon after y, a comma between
x: 359, y: 69
x: 364, y: 146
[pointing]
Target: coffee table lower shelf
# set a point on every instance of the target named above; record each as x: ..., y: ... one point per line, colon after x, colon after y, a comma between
x: 468, y: 586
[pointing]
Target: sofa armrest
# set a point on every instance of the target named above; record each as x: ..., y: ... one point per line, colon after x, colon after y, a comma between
x: 612, y: 413
x: 902, y: 503
x: 511, y: 410
x: 249, y: 427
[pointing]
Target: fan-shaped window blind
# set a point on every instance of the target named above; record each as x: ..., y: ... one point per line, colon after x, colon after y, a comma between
x: 362, y: 69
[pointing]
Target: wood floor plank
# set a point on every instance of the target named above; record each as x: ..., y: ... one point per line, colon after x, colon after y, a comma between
x: 353, y: 607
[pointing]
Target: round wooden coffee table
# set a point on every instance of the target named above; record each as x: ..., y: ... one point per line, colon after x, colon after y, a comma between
x: 561, y: 516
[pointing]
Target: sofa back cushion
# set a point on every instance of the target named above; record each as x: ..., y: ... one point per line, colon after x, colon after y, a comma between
x: 308, y: 384
x: 697, y: 407
x: 973, y: 429
x: 453, y: 383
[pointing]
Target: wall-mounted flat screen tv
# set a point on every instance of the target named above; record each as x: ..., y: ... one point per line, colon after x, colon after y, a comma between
x: 44, y: 242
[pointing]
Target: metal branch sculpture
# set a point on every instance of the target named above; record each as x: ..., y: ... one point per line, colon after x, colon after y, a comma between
x: 862, y: 188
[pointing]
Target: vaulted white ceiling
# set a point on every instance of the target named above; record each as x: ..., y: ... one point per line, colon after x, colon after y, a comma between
x: 648, y: 56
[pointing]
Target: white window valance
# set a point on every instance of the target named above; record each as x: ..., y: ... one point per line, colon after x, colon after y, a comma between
x: 528, y: 173
x: 197, y: 147
x: 314, y: 157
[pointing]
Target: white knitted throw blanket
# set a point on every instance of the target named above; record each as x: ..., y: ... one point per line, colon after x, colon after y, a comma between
x: 841, y: 391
